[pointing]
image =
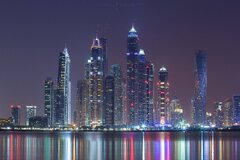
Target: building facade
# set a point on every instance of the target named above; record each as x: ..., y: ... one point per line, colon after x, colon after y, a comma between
x: 15, y: 114
x: 236, y: 109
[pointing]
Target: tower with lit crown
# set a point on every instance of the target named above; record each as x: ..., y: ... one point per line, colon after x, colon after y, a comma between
x: 132, y: 73
x: 162, y: 97
x: 95, y: 80
x: 63, y: 101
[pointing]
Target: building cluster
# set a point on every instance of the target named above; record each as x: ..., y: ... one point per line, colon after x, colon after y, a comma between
x: 107, y: 99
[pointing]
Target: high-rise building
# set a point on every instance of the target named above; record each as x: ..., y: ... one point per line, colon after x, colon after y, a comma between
x: 82, y: 103
x: 103, y: 43
x: 63, y: 102
x: 236, y: 109
x: 49, y: 101
x: 219, y: 117
x: 149, y: 93
x: 116, y: 71
x: 132, y: 73
x: 228, y: 112
x: 176, y: 112
x: 162, y: 97
x: 15, y: 114
x: 95, y: 81
x: 209, y: 119
x: 125, y: 113
x: 31, y: 112
x: 109, y: 95
x: 200, y: 89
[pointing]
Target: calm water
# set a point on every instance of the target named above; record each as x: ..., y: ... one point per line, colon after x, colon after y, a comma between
x: 119, y: 146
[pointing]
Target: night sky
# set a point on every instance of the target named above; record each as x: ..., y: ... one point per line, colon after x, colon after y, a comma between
x: 33, y: 32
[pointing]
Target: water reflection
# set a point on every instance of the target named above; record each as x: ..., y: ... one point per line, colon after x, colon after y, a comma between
x: 119, y: 145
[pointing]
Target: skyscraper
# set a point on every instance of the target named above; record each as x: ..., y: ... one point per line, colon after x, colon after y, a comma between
x: 15, y: 114
x: 162, y: 97
x: 116, y: 71
x: 82, y: 103
x: 63, y: 106
x: 236, y: 109
x: 228, y: 112
x: 31, y: 112
x: 95, y: 80
x: 200, y: 89
x: 176, y: 112
x: 49, y: 100
x: 219, y: 117
x: 132, y: 73
x: 109, y: 95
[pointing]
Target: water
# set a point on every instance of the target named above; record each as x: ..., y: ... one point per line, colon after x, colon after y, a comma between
x: 119, y: 145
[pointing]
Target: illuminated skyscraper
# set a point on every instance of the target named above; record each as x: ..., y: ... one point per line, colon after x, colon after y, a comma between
x: 132, y: 73
x: 95, y: 80
x: 176, y: 112
x: 15, y: 112
x: 49, y: 101
x: 162, y: 97
x: 63, y: 103
x: 109, y: 112
x: 236, y: 109
x: 82, y: 103
x: 116, y: 71
x: 31, y: 112
x: 200, y: 89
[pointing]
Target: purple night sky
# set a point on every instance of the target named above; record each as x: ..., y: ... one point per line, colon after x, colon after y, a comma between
x: 32, y: 33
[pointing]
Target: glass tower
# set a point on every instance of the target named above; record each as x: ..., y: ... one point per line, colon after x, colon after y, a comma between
x: 49, y: 100
x: 63, y: 106
x: 200, y: 89
x: 31, y: 112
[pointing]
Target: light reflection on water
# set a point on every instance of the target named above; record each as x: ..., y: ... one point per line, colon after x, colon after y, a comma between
x: 119, y: 145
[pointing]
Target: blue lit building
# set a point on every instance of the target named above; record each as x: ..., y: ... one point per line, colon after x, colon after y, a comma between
x: 49, y: 101
x: 15, y: 112
x: 200, y: 89
x: 236, y: 109
x: 63, y: 97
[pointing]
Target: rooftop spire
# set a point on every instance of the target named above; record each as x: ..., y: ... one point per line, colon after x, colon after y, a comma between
x: 65, y: 48
x: 96, y: 43
x: 133, y: 29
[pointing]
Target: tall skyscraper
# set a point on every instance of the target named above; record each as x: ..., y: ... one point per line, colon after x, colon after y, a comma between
x: 162, y: 97
x: 95, y: 80
x: 109, y: 95
x: 82, y: 103
x: 31, y: 112
x: 228, y: 112
x: 132, y: 73
x: 15, y: 114
x: 49, y: 100
x: 236, y: 109
x: 103, y: 43
x: 200, y: 89
x: 63, y: 106
x: 116, y: 71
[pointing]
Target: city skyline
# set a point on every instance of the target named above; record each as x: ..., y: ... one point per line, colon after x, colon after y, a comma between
x: 79, y: 51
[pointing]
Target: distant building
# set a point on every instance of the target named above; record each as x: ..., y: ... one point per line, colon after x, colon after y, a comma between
x: 219, y: 115
x: 116, y: 72
x: 49, y: 104
x: 15, y: 112
x: 162, y: 97
x: 236, y: 109
x: 228, y: 112
x: 109, y: 95
x: 6, y: 122
x: 38, y: 122
x: 209, y: 119
x: 63, y: 98
x: 31, y: 111
x: 176, y: 112
x: 200, y: 89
